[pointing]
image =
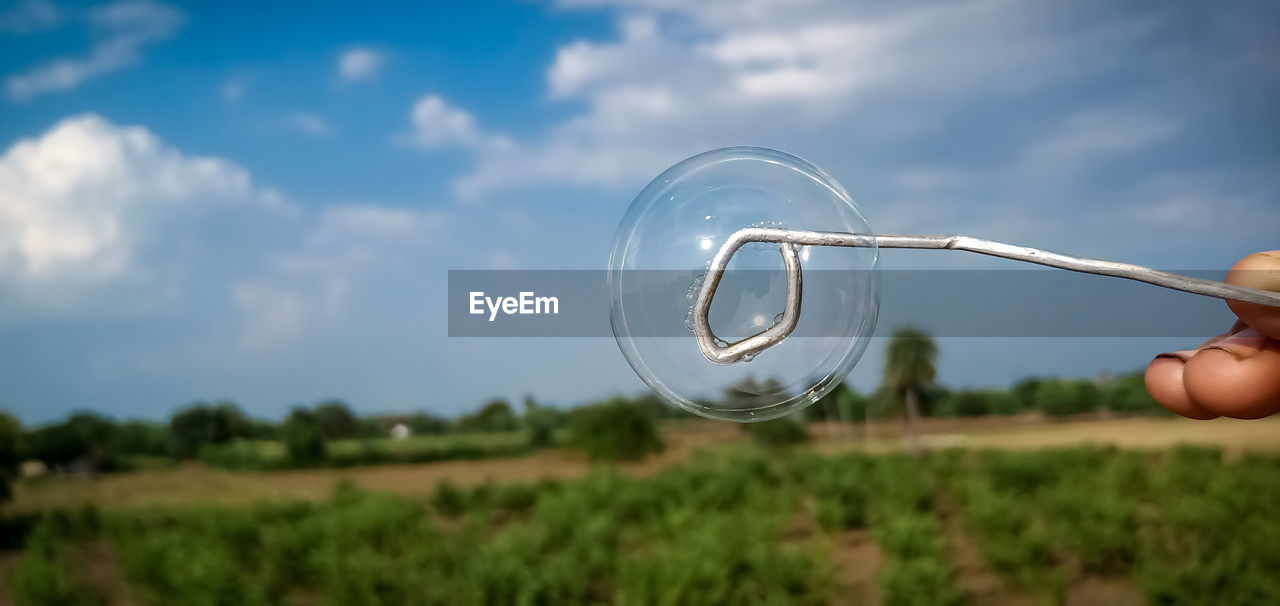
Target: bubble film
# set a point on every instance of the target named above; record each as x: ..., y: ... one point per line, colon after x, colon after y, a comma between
x: 664, y: 245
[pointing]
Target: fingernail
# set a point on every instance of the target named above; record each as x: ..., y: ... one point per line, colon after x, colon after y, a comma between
x: 1244, y: 344
x: 1184, y: 355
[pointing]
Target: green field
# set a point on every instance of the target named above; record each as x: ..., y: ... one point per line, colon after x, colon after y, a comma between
x: 1179, y: 526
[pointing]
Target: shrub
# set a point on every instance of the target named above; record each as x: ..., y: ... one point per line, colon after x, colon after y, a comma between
x: 336, y: 420
x: 977, y: 402
x: 44, y: 574
x: 1062, y: 397
x: 240, y: 455
x: 919, y: 582
x: 1129, y: 394
x: 614, y: 431
x: 10, y: 452
x: 141, y: 438
x: 449, y: 500
x: 201, y: 423
x: 303, y: 438
x: 83, y: 439
x: 44, y: 577
x: 541, y: 422
x: 775, y: 433
x: 852, y: 406
x: 494, y: 416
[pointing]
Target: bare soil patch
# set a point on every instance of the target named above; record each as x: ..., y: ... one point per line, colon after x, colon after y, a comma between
x: 96, y: 565
x: 856, y: 559
x: 978, y: 580
x: 8, y: 561
x: 1032, y: 431
x: 1115, y: 591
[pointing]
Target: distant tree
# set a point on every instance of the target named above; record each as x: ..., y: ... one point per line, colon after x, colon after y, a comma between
x: 1000, y: 402
x: 616, y: 430
x: 910, y: 366
x: 967, y: 403
x: 1062, y: 397
x: 304, y: 438
x: 261, y: 429
x: 658, y: 408
x: 83, y: 439
x: 932, y: 398
x: 337, y: 421
x: 494, y: 416
x: 425, y: 423
x: 1129, y: 394
x: 372, y: 427
x: 851, y: 405
x: 140, y: 438
x: 230, y: 421
x: 778, y: 433
x: 201, y: 423
x: 1024, y: 393
x: 825, y: 408
x: 10, y: 453
x: 541, y: 423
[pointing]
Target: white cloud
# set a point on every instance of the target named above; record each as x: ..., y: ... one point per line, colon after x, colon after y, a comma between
x: 100, y: 218
x: 1086, y: 136
x: 308, y: 124
x: 359, y: 63
x: 685, y: 77
x: 122, y: 30
x: 30, y: 16
x: 436, y: 123
x: 73, y: 200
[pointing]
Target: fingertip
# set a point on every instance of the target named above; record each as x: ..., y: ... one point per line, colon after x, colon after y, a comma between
x: 1225, y: 383
x: 1262, y: 271
x: 1165, y: 384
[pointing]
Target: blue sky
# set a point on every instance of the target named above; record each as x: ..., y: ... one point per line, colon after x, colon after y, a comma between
x: 221, y: 200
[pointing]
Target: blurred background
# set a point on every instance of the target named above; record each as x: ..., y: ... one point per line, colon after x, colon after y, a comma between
x: 225, y: 231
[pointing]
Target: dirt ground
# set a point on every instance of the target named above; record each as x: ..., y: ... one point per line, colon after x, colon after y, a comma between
x: 8, y: 559
x: 196, y: 484
x: 1031, y: 431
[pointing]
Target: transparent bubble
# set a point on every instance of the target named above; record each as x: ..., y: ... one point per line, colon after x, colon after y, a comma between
x: 661, y: 253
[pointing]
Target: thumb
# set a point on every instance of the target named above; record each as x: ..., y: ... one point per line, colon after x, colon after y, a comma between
x: 1259, y: 270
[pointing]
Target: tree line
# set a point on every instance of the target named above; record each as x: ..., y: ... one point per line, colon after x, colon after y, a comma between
x: 221, y: 434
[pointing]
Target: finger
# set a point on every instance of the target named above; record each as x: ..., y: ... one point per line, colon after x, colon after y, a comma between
x: 1165, y: 383
x: 1237, y: 376
x: 1259, y: 270
x: 1164, y: 379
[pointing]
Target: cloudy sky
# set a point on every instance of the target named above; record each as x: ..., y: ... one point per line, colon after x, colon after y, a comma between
x: 262, y: 204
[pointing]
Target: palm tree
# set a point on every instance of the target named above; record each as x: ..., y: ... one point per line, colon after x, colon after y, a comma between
x: 910, y: 366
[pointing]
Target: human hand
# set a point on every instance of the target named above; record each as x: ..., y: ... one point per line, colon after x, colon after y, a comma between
x: 1236, y: 374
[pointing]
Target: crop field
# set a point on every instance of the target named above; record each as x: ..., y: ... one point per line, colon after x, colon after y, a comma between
x: 200, y: 484
x: 1078, y: 525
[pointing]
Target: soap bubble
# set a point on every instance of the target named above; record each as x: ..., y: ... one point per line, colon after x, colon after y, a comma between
x: 659, y: 261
